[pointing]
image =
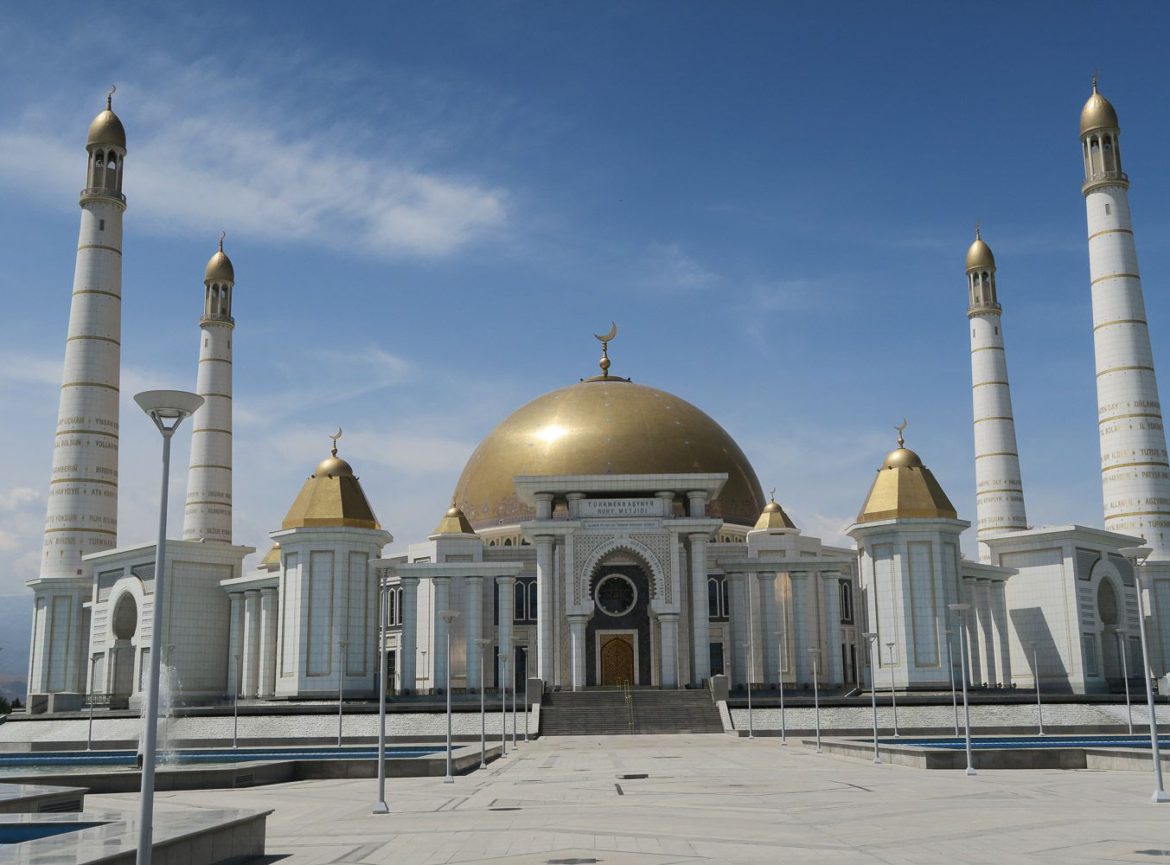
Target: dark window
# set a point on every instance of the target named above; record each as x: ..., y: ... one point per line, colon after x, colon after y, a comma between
x: 846, y: 602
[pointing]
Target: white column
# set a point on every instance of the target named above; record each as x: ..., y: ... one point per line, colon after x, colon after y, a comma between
x: 700, y: 621
x: 1135, y: 476
x: 971, y: 619
x: 999, y: 616
x: 439, y: 629
x: 507, y: 591
x: 251, y: 642
x: 577, y: 650
x: 668, y: 657
x: 473, y: 595
x: 803, y: 618
x: 267, y: 642
x: 770, y: 647
x: 235, y: 629
x: 986, y: 630
x: 831, y: 669
x: 738, y: 622
x: 408, y: 640
x: 545, y: 607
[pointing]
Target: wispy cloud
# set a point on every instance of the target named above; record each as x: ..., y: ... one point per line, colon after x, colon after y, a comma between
x: 669, y: 268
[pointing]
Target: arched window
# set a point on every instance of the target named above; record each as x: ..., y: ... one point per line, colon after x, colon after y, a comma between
x: 519, y: 596
x: 392, y: 614
x: 507, y: 542
x: 846, y: 602
x: 532, y: 595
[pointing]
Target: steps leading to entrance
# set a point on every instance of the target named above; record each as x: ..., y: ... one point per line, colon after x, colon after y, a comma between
x: 606, y: 713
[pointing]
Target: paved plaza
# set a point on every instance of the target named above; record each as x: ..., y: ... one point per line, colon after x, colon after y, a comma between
x: 706, y: 799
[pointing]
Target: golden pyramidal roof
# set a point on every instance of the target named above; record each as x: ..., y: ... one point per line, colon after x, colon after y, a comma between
x: 331, y: 496
x: 905, y: 489
x: 773, y: 516
x: 454, y: 522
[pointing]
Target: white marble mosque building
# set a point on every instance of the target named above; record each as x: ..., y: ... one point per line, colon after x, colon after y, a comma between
x: 605, y: 533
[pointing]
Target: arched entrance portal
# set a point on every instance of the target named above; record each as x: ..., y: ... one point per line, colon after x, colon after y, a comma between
x: 617, y: 637
x: 124, y: 625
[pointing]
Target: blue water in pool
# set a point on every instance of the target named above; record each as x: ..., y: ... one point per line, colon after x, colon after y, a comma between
x: 19, y: 833
x: 986, y: 742
x: 219, y: 755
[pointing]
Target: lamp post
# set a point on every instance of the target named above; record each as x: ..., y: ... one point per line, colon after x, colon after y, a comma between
x: 893, y: 694
x: 1039, y: 705
x: 236, y: 706
x: 514, y: 710
x: 503, y: 704
x: 1138, y: 555
x: 380, y: 806
x: 961, y: 609
x: 1119, y: 633
x: 341, y: 645
x: 483, y: 643
x: 954, y: 692
x: 448, y: 616
x: 167, y: 409
x: 89, y: 735
x: 526, y: 698
x: 816, y: 653
x: 871, y: 641
x: 780, y: 676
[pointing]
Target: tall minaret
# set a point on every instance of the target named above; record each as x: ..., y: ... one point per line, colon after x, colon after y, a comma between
x: 82, y: 514
x: 1135, y: 475
x: 999, y: 492
x: 209, y: 477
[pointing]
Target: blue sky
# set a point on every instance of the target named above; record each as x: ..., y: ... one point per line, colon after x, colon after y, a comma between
x: 432, y: 206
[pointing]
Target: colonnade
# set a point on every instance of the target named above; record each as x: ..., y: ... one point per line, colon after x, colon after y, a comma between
x: 988, y: 653
x: 252, y: 643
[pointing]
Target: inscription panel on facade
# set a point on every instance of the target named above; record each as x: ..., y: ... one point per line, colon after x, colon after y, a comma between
x: 587, y: 508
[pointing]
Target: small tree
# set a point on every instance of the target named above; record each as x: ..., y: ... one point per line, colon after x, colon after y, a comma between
x: 5, y: 706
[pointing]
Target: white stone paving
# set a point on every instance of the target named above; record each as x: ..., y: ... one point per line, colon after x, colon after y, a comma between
x: 708, y: 799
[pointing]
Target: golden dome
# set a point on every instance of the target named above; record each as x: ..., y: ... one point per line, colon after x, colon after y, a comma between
x: 598, y: 427
x: 219, y: 267
x: 1098, y: 113
x: 979, y: 255
x: 454, y: 522
x: 331, y: 496
x: 905, y: 489
x: 271, y: 560
x: 774, y: 517
x: 106, y: 129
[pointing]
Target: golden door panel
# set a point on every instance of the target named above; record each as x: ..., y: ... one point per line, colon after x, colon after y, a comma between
x: 617, y: 660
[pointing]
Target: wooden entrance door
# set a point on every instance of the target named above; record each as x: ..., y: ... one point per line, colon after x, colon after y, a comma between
x: 617, y: 659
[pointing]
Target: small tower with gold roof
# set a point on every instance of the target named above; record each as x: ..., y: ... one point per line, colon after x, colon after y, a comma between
x: 328, y: 595
x: 907, y: 534
x: 999, y: 491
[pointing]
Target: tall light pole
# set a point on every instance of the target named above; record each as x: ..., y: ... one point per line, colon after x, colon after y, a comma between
x: 951, y: 667
x: 514, y: 710
x: 483, y: 643
x: 341, y: 645
x: 1120, y: 634
x: 89, y: 735
x: 503, y: 704
x: 893, y: 693
x: 167, y: 408
x: 871, y: 642
x: 1036, y: 675
x: 380, y: 806
x: 780, y: 676
x: 1138, y: 555
x: 448, y: 616
x: 816, y: 653
x: 961, y: 609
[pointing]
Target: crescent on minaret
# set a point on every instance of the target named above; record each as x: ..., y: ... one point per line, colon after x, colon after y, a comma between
x: 608, y: 336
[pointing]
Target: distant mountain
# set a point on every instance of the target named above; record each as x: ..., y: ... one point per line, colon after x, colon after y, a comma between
x: 15, y: 629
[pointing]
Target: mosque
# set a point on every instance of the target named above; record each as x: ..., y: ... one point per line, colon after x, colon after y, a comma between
x: 606, y: 533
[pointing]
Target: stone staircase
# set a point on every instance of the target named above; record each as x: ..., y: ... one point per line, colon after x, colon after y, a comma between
x: 610, y: 713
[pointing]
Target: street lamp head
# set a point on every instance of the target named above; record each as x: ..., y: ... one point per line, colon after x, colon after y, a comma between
x: 870, y: 635
x: 167, y: 408
x: 448, y: 616
x: 1137, y: 555
x: 814, y: 651
x: 959, y: 608
x: 483, y: 642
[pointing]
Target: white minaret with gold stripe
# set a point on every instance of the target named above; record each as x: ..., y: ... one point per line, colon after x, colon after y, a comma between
x: 82, y: 513
x: 1135, y: 474
x: 999, y: 491
x: 209, y: 477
